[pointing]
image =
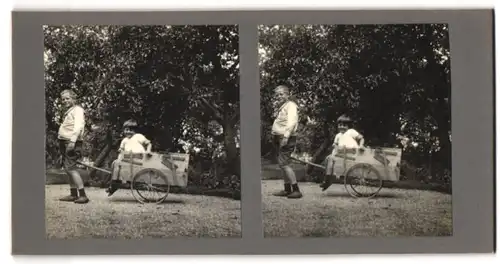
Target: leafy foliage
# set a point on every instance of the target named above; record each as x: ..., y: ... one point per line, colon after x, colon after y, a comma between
x: 180, y: 82
x: 394, y: 80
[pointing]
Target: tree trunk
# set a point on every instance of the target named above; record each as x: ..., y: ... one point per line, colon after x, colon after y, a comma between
x: 442, y: 118
x: 231, y: 150
x: 318, y: 154
x: 227, y: 120
x: 441, y: 90
x: 103, y: 155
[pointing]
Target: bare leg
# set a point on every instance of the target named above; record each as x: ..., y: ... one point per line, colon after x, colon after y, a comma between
x: 78, y: 181
x: 292, y: 179
x: 284, y: 174
x: 73, y: 189
x: 289, y: 175
x: 287, y: 185
x: 113, y: 186
x: 72, y: 183
x: 70, y: 159
x: 291, y: 189
x: 330, y: 162
x: 279, y: 158
x: 328, y: 173
x: 113, y: 174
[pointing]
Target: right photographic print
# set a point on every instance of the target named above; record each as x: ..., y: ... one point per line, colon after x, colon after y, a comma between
x: 355, y: 130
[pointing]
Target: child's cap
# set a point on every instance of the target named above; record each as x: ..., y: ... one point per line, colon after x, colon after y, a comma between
x: 344, y: 118
x: 284, y: 88
x: 69, y: 92
x: 130, y: 123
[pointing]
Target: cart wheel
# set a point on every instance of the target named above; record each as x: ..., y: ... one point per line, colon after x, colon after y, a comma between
x: 363, y: 180
x: 150, y: 186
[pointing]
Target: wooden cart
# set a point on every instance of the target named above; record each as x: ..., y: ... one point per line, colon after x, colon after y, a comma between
x: 149, y: 176
x: 365, y: 170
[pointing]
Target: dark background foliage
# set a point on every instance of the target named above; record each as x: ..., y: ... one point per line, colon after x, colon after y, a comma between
x: 181, y: 83
x: 394, y: 80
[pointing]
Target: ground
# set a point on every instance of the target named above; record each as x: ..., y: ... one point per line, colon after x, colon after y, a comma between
x: 120, y: 216
x: 334, y: 213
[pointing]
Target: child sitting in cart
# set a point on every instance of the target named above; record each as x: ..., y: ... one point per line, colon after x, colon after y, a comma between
x: 346, y: 140
x: 133, y: 145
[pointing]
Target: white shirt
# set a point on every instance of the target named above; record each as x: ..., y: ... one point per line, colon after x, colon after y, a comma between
x: 287, y: 120
x: 134, y: 144
x: 72, y: 127
x: 347, y: 139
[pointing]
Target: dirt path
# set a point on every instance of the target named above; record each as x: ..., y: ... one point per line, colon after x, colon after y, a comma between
x: 334, y: 213
x: 120, y: 216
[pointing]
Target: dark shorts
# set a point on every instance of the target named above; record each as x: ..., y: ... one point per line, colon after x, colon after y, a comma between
x: 283, y: 154
x: 69, y: 158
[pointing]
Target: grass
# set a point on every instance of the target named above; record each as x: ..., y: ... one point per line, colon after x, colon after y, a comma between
x: 121, y: 216
x: 393, y: 213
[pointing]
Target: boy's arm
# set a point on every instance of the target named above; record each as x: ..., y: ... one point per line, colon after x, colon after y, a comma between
x: 122, y: 146
x: 292, y: 119
x: 359, y: 137
x: 79, y: 119
x: 335, y: 142
x: 146, y: 142
x: 361, y: 141
x: 148, y: 146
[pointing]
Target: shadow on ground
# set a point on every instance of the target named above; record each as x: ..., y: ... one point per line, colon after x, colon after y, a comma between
x: 197, y: 190
x: 347, y: 195
x: 131, y: 200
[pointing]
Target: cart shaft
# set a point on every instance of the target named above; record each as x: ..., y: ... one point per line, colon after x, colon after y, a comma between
x: 309, y: 163
x: 95, y: 168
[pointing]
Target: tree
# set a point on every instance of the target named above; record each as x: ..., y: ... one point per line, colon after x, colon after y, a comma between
x: 392, y: 79
x: 174, y: 80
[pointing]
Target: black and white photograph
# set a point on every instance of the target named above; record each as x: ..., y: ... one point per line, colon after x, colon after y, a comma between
x: 142, y: 131
x: 355, y: 130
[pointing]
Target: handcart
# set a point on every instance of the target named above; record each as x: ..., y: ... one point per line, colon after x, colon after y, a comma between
x: 365, y: 170
x: 149, y: 176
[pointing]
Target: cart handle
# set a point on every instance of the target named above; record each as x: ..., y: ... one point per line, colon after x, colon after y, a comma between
x: 310, y: 163
x: 92, y: 167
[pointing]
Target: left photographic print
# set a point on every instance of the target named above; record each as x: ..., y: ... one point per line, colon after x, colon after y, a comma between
x: 142, y: 131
